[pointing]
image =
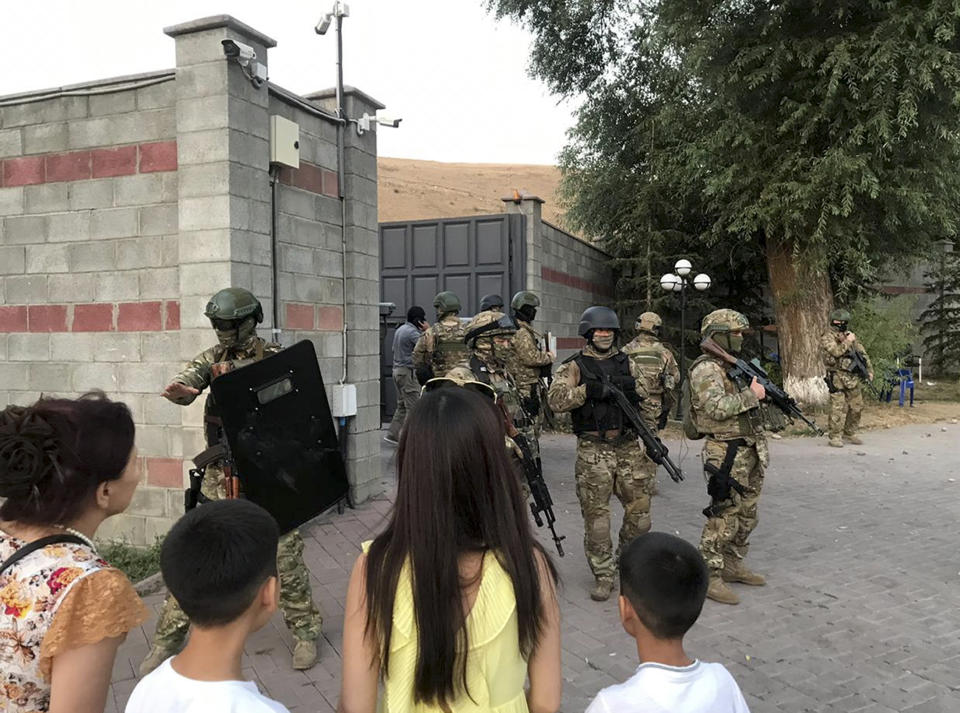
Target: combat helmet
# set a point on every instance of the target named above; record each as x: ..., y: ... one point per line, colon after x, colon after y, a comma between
x: 524, y: 305
x: 488, y: 324
x: 723, y: 320
x: 446, y: 302
x: 234, y: 314
x: 597, y: 317
x: 648, y: 322
x: 488, y: 302
x: 234, y: 304
x: 842, y: 316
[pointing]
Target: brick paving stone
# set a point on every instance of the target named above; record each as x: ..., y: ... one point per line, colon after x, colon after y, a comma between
x: 861, y: 613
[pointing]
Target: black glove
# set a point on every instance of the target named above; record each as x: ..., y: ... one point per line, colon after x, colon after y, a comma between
x: 597, y: 391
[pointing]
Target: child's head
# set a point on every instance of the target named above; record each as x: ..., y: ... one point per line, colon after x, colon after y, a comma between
x: 663, y: 584
x: 220, y: 563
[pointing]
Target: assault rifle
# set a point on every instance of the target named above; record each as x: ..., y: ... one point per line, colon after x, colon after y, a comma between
x: 743, y: 373
x: 542, y: 505
x: 655, y: 448
x: 858, y: 367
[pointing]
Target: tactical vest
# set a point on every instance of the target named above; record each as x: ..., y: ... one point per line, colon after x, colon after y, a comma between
x: 748, y: 424
x: 599, y: 415
x: 449, y: 350
x: 503, y: 388
x: 250, y: 352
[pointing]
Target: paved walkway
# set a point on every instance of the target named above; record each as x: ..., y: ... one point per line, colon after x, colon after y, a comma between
x: 862, y: 613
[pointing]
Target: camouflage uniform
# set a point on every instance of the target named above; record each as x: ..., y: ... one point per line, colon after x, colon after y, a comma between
x: 441, y: 347
x: 607, y: 464
x: 296, y: 600
x: 656, y: 367
x: 526, y: 359
x: 846, y: 401
x: 727, y: 413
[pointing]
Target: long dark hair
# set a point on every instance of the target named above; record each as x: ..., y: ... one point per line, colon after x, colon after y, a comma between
x: 456, y: 493
x: 55, y: 453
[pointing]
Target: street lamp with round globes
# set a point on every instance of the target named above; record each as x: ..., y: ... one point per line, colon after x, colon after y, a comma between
x: 677, y: 282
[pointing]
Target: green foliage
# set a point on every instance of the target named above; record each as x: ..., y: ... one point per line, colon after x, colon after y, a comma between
x: 886, y: 329
x: 831, y: 127
x: 137, y: 563
x: 941, y: 320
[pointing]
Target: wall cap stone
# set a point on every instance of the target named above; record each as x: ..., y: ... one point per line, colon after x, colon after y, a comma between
x: 68, y: 89
x: 347, y: 91
x: 215, y: 21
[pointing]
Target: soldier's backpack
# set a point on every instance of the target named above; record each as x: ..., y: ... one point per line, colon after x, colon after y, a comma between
x: 690, y: 429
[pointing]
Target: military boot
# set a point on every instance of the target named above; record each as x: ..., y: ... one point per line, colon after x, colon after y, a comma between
x: 835, y: 443
x: 304, y: 654
x: 601, y: 590
x: 156, y: 656
x: 738, y: 572
x: 854, y: 439
x: 718, y: 591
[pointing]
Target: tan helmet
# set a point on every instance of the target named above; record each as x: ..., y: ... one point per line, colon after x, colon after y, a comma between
x: 648, y: 322
x: 723, y: 320
x: 488, y: 324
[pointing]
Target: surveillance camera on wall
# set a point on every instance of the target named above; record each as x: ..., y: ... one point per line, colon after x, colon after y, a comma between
x: 244, y: 54
x: 386, y: 118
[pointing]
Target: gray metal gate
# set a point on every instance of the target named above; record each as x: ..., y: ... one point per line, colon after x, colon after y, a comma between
x: 471, y: 256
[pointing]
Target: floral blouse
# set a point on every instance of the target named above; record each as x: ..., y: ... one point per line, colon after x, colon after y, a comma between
x: 57, y: 598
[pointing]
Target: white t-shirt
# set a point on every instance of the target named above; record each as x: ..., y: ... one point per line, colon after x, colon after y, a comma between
x: 166, y: 691
x: 656, y: 688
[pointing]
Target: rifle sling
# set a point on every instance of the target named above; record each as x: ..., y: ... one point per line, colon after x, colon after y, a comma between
x: 724, y: 470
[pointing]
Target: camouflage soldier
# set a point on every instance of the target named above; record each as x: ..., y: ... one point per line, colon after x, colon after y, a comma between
x: 528, y: 362
x: 441, y: 347
x: 656, y: 369
x: 609, y: 458
x: 234, y: 314
x: 734, y: 456
x: 488, y: 337
x: 846, y: 394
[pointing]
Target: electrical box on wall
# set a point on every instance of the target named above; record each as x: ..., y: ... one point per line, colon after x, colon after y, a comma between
x: 284, y: 142
x: 344, y: 402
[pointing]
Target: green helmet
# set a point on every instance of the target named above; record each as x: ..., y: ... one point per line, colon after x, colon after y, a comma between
x: 840, y: 315
x: 446, y: 302
x: 597, y: 317
x: 648, y: 322
x: 524, y: 298
x: 234, y: 303
x: 723, y: 320
x: 488, y: 324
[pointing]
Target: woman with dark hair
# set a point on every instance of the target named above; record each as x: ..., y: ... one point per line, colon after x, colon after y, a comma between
x: 454, y: 605
x: 65, y: 466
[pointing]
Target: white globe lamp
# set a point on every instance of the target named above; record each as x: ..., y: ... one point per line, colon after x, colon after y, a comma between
x: 702, y: 281
x: 683, y: 267
x: 670, y: 282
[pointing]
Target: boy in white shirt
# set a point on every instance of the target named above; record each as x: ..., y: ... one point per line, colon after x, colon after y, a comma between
x: 220, y: 563
x: 663, y: 583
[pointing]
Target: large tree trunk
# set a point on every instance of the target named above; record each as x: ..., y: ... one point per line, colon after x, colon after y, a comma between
x: 802, y: 300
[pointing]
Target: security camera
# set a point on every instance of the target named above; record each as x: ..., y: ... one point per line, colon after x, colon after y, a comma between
x: 386, y: 118
x: 323, y: 25
x: 244, y: 54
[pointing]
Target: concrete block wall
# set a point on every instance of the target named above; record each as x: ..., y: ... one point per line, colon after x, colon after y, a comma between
x: 122, y: 210
x: 567, y: 273
x: 89, y: 269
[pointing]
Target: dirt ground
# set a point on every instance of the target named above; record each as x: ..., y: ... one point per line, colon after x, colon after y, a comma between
x: 414, y: 190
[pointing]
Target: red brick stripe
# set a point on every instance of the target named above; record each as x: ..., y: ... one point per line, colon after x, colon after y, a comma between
x: 310, y: 317
x: 578, y: 283
x: 164, y: 472
x: 153, y: 316
x: 311, y: 178
x: 95, y: 163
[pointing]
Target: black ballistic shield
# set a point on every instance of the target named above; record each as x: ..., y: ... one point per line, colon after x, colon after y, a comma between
x: 282, y: 440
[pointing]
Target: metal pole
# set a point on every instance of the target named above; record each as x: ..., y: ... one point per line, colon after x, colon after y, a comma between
x: 341, y: 139
x: 943, y: 323
x: 683, y: 331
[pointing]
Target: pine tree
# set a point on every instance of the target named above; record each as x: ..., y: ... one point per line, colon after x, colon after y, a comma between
x: 822, y: 136
x: 941, y: 320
